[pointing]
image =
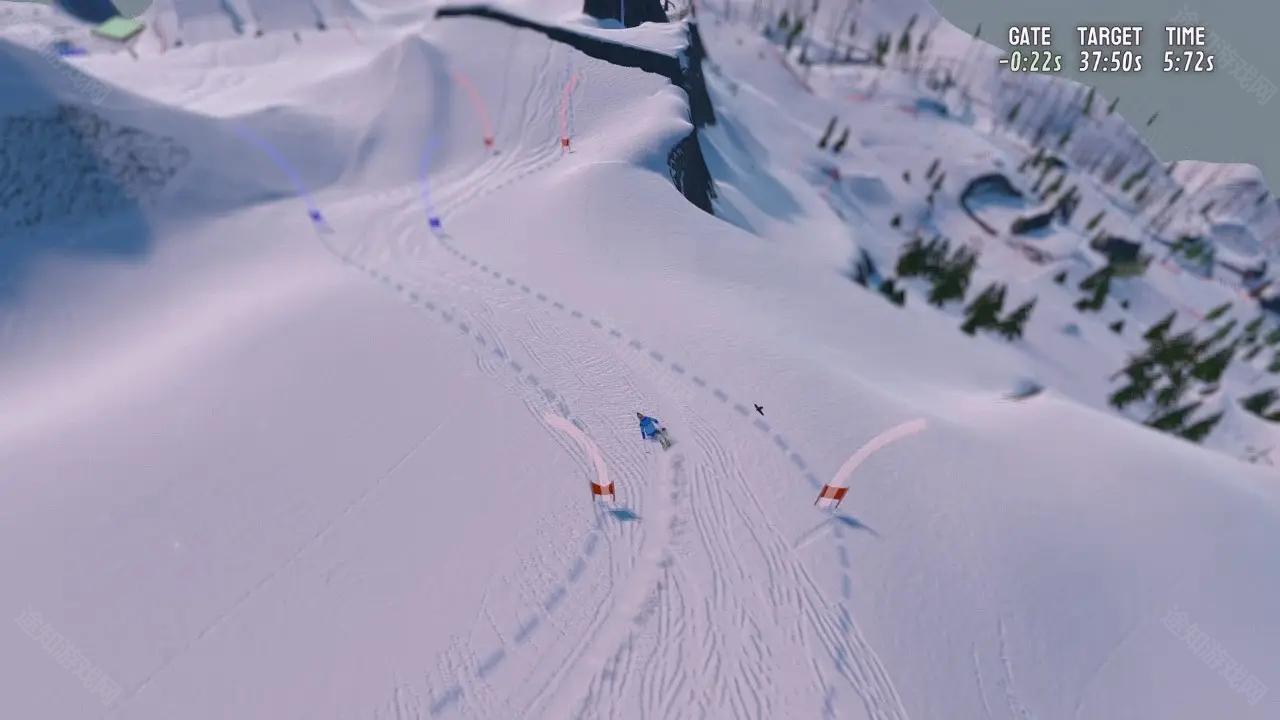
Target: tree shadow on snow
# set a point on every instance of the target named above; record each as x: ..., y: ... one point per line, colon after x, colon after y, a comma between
x: 624, y: 514
x: 855, y: 523
x: 70, y: 178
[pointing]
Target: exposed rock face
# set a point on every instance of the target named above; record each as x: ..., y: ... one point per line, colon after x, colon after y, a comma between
x: 688, y: 168
x: 987, y: 185
x: 690, y: 174
x: 637, y: 11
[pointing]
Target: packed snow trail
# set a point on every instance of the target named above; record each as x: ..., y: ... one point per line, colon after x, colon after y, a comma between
x: 1024, y: 590
x: 854, y: 660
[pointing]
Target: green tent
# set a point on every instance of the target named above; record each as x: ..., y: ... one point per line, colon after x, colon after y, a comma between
x: 119, y: 29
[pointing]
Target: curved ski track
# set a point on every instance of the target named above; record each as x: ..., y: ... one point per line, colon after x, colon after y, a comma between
x: 671, y: 615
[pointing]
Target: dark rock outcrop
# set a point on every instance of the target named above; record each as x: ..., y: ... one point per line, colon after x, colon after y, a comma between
x: 988, y: 184
x: 637, y: 11
x: 689, y: 172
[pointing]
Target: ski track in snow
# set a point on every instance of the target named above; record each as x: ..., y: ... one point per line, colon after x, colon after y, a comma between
x: 657, y: 585
x: 870, y: 679
x: 314, y: 540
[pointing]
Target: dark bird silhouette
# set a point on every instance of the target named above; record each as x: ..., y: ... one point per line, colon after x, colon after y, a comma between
x: 759, y: 409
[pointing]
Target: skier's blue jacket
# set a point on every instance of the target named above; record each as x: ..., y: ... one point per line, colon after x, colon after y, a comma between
x: 648, y: 426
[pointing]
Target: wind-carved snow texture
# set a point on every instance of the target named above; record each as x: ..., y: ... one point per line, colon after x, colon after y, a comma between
x: 71, y: 165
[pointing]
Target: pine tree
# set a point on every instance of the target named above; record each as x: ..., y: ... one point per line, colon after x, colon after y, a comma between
x: 795, y: 33
x: 933, y: 168
x: 863, y: 268
x: 1055, y: 186
x: 1251, y: 330
x: 904, y: 43
x: 1133, y: 179
x: 1200, y: 429
x: 952, y: 281
x: 985, y: 309
x: 892, y: 293
x: 936, y: 252
x: 1222, y: 331
x: 1169, y: 395
x: 1259, y: 402
x: 913, y: 260
x: 1093, y: 221
x: 840, y: 142
x: 1012, y: 117
x: 1173, y: 420
x: 1127, y: 395
x: 1060, y: 278
x: 1140, y: 372
x: 1112, y: 107
x: 1217, y: 312
x: 831, y: 127
x: 1011, y: 327
x: 1210, y: 369
x: 881, y: 48
x: 1088, y: 102
x: 1174, y: 354
x: 1099, y: 284
x: 1157, y: 332
x: 1117, y: 327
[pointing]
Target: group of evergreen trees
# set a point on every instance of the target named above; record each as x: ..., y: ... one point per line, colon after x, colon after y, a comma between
x: 1173, y: 368
x: 936, y: 175
x: 795, y: 29
x: 984, y: 314
x: 864, y: 273
x: 1176, y: 367
x: 791, y: 28
x: 1096, y: 286
x: 839, y: 144
x: 1260, y: 404
x: 949, y: 272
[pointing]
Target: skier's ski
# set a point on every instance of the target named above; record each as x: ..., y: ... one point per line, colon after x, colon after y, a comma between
x: 664, y: 440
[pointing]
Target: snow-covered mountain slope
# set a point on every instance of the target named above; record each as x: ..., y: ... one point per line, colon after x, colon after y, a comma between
x: 302, y: 456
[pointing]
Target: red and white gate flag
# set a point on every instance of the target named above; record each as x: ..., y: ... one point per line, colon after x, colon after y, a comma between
x: 833, y: 492
x: 830, y: 496
x: 600, y: 485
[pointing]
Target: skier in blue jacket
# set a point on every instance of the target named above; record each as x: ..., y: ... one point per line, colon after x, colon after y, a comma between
x: 651, y: 428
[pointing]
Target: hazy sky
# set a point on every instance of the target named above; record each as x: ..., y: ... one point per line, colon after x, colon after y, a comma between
x: 1202, y: 117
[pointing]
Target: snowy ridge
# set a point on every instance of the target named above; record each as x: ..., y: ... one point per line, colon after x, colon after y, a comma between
x: 306, y: 456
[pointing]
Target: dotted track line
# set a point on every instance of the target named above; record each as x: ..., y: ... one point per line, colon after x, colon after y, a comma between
x: 525, y: 631
x: 793, y: 456
x: 658, y: 358
x: 845, y: 616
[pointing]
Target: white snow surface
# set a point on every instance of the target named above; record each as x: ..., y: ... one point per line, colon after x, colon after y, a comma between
x: 253, y: 466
